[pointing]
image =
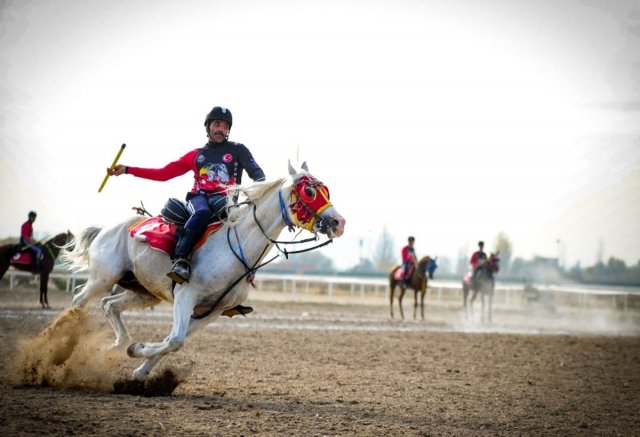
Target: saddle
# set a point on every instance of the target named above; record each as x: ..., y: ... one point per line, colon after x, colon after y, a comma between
x: 25, y: 257
x: 161, y: 232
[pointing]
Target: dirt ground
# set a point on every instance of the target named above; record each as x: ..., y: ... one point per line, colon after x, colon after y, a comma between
x: 314, y: 370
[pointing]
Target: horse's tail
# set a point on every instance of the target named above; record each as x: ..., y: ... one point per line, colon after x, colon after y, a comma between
x: 78, y: 258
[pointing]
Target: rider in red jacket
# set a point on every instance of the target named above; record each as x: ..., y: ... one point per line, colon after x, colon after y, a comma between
x: 215, y: 166
x: 477, y: 258
x: 27, y: 240
x: 408, y: 259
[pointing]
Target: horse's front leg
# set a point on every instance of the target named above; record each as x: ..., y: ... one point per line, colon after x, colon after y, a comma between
x: 194, y: 324
x: 182, y: 309
x: 44, y: 280
x: 415, y: 304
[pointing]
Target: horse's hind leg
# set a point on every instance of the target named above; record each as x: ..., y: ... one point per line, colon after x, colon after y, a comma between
x: 400, y: 297
x: 96, y: 285
x: 392, y: 289
x: 114, y: 305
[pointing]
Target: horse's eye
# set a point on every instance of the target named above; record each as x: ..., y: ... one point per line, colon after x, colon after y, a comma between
x: 309, y: 191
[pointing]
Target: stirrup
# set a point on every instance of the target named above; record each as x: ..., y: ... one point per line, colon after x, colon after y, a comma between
x: 181, y: 271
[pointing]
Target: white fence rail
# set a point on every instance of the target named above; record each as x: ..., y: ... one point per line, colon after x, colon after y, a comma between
x: 372, y: 290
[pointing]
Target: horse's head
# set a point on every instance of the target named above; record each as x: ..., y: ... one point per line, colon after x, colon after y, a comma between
x: 494, y: 261
x: 310, y: 206
x: 432, y: 266
x: 428, y: 265
x: 61, y: 240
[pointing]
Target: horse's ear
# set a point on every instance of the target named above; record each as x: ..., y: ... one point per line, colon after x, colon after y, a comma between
x: 292, y: 171
x: 304, y: 166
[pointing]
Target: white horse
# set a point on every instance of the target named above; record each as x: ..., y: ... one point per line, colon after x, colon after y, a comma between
x: 220, y: 266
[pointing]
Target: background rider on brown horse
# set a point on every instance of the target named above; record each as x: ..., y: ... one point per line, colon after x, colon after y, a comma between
x: 408, y: 260
x: 27, y: 241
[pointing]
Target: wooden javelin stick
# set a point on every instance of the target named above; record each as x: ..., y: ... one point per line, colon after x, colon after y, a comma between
x: 115, y: 161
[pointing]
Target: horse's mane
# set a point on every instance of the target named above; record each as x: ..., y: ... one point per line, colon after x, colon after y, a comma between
x: 238, y: 213
x: 424, y: 259
x: 59, y: 240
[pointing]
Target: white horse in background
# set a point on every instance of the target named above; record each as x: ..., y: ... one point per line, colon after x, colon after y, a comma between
x: 220, y: 265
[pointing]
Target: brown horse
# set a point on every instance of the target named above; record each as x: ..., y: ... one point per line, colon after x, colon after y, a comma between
x: 418, y: 281
x: 51, y: 250
x: 484, y: 284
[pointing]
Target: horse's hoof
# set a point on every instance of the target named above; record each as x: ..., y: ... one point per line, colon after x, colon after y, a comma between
x: 140, y: 374
x: 117, y: 345
x: 131, y: 350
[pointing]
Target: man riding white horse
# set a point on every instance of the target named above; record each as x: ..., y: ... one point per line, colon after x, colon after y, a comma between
x: 216, y: 166
x: 478, y: 258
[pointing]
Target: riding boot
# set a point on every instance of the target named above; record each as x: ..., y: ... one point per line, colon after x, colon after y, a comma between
x: 181, y: 270
x: 35, y: 262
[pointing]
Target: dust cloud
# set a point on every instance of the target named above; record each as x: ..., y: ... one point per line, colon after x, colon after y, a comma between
x: 73, y: 352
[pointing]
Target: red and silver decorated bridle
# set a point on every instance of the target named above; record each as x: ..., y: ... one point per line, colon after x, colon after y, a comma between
x: 308, y: 199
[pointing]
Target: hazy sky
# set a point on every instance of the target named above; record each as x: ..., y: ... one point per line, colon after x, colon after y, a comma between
x: 448, y: 120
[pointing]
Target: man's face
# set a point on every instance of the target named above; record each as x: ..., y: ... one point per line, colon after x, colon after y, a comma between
x: 219, y: 131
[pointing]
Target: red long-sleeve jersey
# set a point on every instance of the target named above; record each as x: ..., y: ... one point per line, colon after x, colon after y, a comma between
x: 215, y: 167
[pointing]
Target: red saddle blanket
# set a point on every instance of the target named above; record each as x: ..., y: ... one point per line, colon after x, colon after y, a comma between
x: 162, y: 235
x: 397, y: 275
x: 467, y: 278
x: 22, y: 258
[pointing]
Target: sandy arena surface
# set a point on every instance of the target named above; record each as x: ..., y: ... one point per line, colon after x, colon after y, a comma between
x: 321, y: 370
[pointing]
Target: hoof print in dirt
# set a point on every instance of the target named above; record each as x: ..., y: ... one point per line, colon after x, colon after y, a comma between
x: 161, y: 385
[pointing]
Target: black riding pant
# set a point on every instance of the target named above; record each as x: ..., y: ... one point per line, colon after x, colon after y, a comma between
x: 202, y: 208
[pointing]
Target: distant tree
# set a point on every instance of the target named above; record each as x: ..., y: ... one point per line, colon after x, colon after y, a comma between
x: 504, y: 246
x: 307, y: 262
x: 364, y: 266
x: 462, y: 265
x: 616, y: 266
x: 576, y: 272
x: 385, y: 254
x: 444, y: 266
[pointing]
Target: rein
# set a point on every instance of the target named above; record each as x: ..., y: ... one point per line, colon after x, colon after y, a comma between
x: 250, y: 271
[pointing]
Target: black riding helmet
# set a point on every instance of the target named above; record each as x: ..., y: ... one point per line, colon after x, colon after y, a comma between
x: 32, y: 214
x: 218, y: 113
